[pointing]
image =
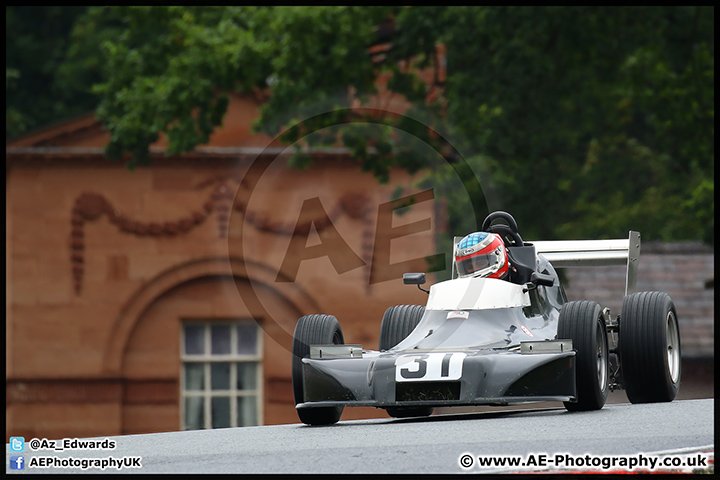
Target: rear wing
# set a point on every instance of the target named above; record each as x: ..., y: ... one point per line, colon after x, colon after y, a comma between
x: 589, y: 253
x: 593, y: 253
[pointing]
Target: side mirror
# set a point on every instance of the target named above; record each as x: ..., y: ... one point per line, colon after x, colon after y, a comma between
x: 414, y: 278
x: 542, y: 279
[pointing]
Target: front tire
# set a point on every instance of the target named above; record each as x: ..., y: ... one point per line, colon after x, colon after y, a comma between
x: 397, y: 323
x: 583, y: 323
x: 313, y: 330
x: 649, y: 347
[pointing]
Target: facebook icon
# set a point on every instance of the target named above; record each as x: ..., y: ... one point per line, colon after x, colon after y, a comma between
x: 17, y: 462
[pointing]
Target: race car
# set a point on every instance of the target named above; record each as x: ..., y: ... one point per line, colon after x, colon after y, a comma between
x: 506, y: 338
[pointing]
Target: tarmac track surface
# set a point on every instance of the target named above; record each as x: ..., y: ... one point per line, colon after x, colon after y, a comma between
x: 420, y: 445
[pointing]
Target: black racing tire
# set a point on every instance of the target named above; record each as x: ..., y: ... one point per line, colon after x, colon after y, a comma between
x: 583, y: 323
x: 397, y: 323
x: 406, y: 412
x: 313, y: 329
x: 649, y: 347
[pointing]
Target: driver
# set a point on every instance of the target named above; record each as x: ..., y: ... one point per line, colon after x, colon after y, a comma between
x: 482, y: 254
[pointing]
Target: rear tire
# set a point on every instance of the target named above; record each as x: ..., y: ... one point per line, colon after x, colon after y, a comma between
x: 649, y: 347
x: 397, y: 323
x: 313, y: 330
x: 583, y: 323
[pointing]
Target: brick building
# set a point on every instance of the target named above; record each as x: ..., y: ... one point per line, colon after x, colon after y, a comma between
x: 165, y: 298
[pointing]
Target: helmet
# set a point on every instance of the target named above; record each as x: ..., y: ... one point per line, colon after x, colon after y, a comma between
x: 482, y: 254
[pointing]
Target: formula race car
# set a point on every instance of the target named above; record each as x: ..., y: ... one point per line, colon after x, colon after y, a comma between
x: 507, y: 338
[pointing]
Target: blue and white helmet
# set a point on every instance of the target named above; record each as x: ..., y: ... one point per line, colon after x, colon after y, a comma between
x: 482, y: 254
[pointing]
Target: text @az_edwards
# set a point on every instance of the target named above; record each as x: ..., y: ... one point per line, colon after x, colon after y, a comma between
x: 71, y: 444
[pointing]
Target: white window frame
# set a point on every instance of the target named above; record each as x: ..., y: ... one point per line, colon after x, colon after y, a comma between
x: 208, y: 358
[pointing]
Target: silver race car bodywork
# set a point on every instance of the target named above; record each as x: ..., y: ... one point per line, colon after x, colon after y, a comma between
x: 478, y: 341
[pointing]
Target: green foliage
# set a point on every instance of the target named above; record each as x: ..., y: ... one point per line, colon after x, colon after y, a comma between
x: 171, y: 69
x: 583, y: 122
x: 604, y: 116
x: 37, y: 89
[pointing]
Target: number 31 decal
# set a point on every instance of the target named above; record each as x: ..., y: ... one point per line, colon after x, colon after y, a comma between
x: 429, y: 366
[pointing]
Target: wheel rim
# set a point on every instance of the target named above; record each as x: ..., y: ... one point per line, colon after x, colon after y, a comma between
x: 673, y: 346
x: 601, y: 356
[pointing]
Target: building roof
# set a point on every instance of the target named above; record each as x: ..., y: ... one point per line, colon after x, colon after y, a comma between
x: 85, y: 137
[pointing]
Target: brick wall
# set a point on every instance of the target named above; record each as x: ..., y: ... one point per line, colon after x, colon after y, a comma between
x: 105, y: 264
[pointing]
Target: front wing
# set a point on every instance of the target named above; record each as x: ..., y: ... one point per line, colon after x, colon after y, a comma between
x: 438, y: 378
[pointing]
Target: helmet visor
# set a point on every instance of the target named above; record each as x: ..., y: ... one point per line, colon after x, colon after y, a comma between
x: 477, y: 263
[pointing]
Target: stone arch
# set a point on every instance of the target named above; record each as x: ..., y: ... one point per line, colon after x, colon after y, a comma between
x: 175, y: 276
